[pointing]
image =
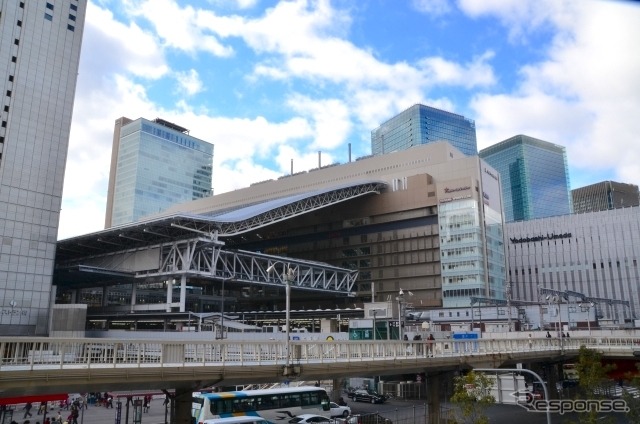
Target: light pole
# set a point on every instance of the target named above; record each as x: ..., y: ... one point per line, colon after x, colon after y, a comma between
x: 375, y: 311
x: 401, y: 305
x: 556, y: 299
x: 400, y: 300
x: 288, y: 275
x: 222, y: 309
x: 588, y: 306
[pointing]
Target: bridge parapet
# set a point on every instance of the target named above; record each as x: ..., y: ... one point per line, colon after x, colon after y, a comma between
x: 45, y: 364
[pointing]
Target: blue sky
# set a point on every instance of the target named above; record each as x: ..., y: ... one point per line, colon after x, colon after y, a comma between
x: 268, y: 82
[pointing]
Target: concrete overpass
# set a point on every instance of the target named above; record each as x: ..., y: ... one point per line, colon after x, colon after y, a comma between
x: 57, y: 365
x: 49, y: 365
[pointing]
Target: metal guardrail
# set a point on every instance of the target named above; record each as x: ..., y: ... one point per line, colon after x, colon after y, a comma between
x: 61, y: 353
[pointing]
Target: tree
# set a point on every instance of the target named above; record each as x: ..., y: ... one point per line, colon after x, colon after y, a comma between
x: 592, y: 375
x: 472, y: 396
x: 633, y: 403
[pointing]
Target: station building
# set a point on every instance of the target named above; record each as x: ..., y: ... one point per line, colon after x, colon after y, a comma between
x: 435, y: 229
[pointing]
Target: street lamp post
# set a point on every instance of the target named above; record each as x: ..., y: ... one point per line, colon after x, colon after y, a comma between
x: 400, y: 300
x: 222, y: 309
x: 401, y: 304
x: 588, y: 306
x: 375, y: 311
x: 288, y: 276
x: 556, y: 299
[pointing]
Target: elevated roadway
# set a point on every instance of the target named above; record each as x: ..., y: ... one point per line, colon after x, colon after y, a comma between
x: 54, y: 365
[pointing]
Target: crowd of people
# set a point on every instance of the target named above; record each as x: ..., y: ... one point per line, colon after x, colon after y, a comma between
x: 68, y: 411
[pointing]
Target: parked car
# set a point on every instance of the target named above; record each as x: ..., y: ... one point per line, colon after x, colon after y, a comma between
x: 339, y: 411
x: 374, y: 418
x: 309, y: 418
x: 364, y: 395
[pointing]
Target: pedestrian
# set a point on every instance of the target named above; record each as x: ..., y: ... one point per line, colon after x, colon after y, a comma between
x: 567, y: 334
x: 27, y: 410
x: 418, y: 338
x: 548, y: 335
x: 530, y: 342
x: 58, y: 419
x: 74, y: 416
x: 430, y: 341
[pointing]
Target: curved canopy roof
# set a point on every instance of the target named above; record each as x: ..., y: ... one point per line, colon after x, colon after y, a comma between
x: 213, y: 224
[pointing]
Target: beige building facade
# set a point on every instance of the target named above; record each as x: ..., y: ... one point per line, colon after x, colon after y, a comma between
x: 434, y: 231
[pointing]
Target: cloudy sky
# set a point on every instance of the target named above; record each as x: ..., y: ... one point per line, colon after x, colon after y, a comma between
x: 272, y: 81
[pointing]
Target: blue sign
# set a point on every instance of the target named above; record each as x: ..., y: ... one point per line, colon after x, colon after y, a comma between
x: 459, y: 336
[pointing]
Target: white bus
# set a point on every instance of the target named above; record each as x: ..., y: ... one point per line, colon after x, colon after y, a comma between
x: 237, y: 420
x: 274, y: 405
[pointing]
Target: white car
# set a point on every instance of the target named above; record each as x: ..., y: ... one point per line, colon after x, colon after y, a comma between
x: 339, y: 411
x: 309, y: 418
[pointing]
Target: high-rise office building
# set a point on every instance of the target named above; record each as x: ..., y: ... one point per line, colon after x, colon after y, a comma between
x: 422, y: 124
x: 603, y: 196
x: 535, y: 177
x: 40, y: 44
x: 154, y: 165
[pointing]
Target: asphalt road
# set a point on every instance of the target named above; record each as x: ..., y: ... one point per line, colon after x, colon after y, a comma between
x: 412, y: 411
x: 399, y: 411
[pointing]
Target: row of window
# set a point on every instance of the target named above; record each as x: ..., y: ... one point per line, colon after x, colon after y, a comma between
x: 594, y: 265
x: 267, y: 401
x: 48, y: 15
x: 463, y: 292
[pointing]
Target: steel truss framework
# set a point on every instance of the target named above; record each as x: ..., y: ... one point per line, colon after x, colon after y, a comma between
x: 299, y: 207
x: 189, y: 246
x: 565, y: 294
x: 206, y: 259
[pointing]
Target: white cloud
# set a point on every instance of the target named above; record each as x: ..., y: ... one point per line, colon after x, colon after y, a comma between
x: 331, y: 120
x: 473, y: 74
x: 585, y: 95
x: 178, y: 27
x: 433, y: 8
x: 522, y: 17
x: 110, y: 46
x: 189, y: 82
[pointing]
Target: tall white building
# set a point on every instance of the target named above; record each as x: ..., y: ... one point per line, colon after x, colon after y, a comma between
x: 596, y: 254
x: 154, y: 164
x: 39, y: 55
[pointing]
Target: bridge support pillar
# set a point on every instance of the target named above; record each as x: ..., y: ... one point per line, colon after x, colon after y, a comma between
x: 438, y: 388
x: 338, y: 385
x: 182, y: 402
x: 551, y: 370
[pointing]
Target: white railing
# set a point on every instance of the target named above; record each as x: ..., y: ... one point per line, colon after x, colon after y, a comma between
x: 57, y: 353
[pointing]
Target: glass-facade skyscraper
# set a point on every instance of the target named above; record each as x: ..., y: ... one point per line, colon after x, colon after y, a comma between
x: 40, y: 43
x: 154, y: 165
x: 603, y: 196
x: 534, y: 175
x: 422, y: 124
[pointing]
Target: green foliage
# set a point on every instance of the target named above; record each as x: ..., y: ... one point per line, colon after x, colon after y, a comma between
x: 472, y: 396
x: 592, y: 375
x: 632, y: 402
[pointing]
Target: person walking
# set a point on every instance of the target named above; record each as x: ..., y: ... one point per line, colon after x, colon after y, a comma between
x: 27, y: 410
x: 430, y: 341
